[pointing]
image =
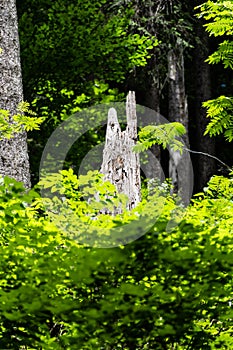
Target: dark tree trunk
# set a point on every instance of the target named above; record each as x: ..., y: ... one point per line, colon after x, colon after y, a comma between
x: 14, y: 160
x: 177, y: 112
x: 177, y: 100
x: 205, y: 166
x: 152, y: 101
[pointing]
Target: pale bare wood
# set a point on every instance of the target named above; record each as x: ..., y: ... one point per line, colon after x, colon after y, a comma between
x: 121, y: 165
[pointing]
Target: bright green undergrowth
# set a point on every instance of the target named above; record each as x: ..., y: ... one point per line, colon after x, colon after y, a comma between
x: 172, y: 288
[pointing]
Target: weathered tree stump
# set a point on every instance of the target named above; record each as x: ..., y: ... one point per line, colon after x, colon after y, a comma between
x: 121, y: 165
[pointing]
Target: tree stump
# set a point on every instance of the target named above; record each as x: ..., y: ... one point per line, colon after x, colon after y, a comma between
x: 121, y: 165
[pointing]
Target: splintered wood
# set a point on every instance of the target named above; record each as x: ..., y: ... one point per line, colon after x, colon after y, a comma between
x: 121, y: 165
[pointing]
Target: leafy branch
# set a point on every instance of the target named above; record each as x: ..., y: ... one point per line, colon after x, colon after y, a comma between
x: 24, y: 120
x: 164, y: 135
x: 219, y: 15
x: 220, y: 112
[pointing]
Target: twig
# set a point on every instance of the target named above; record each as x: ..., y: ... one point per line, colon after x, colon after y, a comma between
x: 209, y: 155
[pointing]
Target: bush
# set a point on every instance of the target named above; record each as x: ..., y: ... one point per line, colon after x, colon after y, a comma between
x: 166, y: 290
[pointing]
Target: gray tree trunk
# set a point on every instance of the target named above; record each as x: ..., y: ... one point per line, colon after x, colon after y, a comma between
x: 121, y: 165
x: 178, y: 112
x: 14, y: 161
x: 153, y: 170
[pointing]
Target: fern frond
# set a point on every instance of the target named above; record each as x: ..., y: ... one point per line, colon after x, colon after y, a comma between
x: 164, y: 135
x: 220, y: 27
x: 220, y: 186
x: 224, y: 53
x: 220, y: 111
x: 219, y: 14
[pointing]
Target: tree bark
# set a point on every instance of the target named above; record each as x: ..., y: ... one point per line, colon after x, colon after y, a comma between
x: 14, y: 160
x: 205, y: 166
x: 152, y: 101
x: 120, y: 164
x: 177, y: 112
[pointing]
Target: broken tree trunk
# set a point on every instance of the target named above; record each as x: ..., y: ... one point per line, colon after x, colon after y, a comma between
x: 121, y: 165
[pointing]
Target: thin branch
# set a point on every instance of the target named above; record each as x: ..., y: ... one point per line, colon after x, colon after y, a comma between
x: 209, y: 155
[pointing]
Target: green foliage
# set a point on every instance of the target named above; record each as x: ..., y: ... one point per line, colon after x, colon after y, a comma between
x: 220, y: 111
x: 17, y: 123
x: 78, y: 42
x: 219, y: 187
x: 224, y: 54
x: 219, y: 16
x: 75, y: 54
x: 84, y: 202
x: 165, y: 290
x: 42, y: 280
x: 164, y: 134
x: 97, y: 93
x: 85, y: 197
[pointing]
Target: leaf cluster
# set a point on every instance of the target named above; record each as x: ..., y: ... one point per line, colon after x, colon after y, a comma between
x: 218, y: 15
x: 79, y: 42
x: 9, y: 125
x: 164, y: 135
x: 220, y: 111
